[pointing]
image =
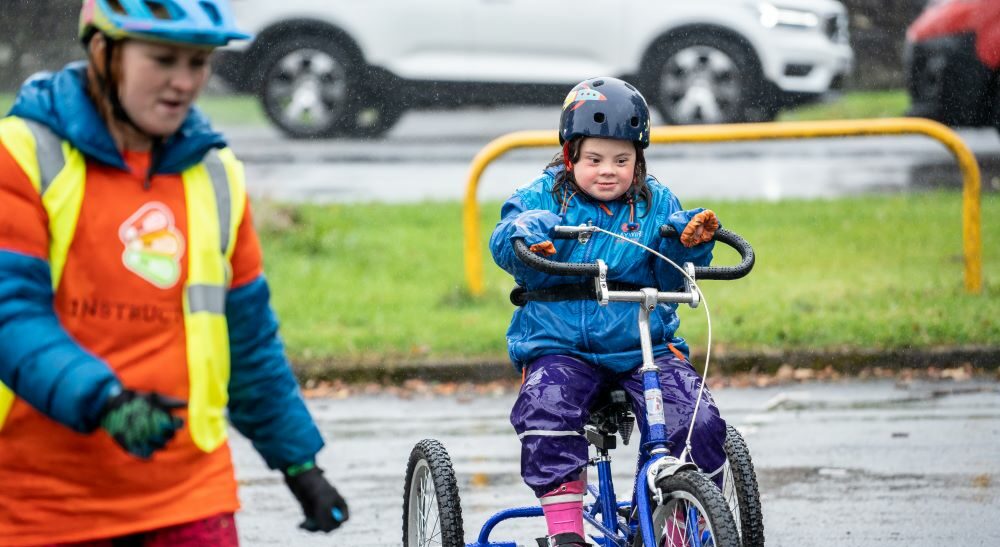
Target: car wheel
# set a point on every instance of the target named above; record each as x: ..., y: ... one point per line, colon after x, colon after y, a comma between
x: 308, y: 87
x: 705, y: 79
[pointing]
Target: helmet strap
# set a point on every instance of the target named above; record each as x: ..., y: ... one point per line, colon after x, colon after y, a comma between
x: 566, y: 159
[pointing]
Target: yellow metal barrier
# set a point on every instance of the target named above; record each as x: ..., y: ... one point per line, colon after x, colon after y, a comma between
x: 971, y: 236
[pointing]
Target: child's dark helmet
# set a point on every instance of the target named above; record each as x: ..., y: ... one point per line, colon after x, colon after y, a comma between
x: 605, y: 107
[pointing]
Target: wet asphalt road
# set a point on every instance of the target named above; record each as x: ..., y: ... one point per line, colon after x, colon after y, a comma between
x: 427, y: 156
x: 854, y: 463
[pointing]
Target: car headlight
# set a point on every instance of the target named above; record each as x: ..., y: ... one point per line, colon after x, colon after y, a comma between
x: 773, y: 16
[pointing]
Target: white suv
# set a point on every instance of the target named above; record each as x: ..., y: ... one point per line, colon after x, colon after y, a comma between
x: 323, y: 68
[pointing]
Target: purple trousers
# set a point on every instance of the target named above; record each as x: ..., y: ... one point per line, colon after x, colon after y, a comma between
x: 555, y: 403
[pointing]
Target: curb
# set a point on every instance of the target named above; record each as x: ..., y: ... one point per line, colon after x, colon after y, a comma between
x: 845, y: 361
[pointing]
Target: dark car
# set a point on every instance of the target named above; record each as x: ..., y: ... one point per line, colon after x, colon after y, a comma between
x: 952, y: 59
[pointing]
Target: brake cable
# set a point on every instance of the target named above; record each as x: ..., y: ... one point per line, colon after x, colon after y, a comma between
x: 708, y: 317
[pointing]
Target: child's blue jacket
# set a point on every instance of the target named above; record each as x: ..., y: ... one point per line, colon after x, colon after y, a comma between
x: 605, y: 336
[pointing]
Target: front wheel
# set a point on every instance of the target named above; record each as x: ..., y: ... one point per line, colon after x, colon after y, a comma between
x: 693, y: 514
x: 432, y: 510
x: 739, y: 487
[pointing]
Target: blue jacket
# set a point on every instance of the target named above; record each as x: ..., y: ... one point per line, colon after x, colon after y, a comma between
x: 44, y: 366
x: 605, y: 336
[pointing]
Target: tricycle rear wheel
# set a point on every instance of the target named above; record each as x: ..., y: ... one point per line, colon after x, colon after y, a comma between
x: 432, y: 510
x: 739, y: 487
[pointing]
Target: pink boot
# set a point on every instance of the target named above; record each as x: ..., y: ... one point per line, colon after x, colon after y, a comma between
x: 674, y: 530
x: 563, y: 509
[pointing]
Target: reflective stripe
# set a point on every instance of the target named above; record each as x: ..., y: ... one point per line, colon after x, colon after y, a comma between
x: 210, y: 195
x: 206, y: 298
x: 49, y: 150
x: 223, y: 199
x: 544, y: 433
x: 238, y: 196
x: 561, y: 498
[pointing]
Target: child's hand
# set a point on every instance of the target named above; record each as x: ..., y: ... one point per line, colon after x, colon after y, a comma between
x: 545, y: 248
x: 534, y: 226
x: 700, y: 229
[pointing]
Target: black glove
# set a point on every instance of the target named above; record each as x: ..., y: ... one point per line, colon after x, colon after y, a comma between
x: 141, y: 423
x: 324, y: 508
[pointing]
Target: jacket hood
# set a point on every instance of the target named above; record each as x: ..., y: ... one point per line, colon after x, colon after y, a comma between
x: 59, y: 101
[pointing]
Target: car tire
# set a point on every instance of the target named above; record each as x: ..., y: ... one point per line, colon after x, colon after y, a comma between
x: 309, y: 87
x: 704, y: 78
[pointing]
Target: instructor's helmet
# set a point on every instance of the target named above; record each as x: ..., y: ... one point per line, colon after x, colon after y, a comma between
x: 208, y: 23
x: 605, y: 107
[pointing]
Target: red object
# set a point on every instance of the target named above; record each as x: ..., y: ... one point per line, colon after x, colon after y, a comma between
x: 978, y: 17
x: 218, y: 531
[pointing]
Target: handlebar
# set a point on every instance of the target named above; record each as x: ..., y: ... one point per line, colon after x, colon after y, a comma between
x: 727, y: 273
x: 592, y: 269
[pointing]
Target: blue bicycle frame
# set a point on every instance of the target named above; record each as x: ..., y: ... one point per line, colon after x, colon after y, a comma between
x: 603, y: 512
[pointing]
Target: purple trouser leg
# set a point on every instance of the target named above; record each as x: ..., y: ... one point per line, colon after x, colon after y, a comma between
x: 679, y: 384
x: 554, y: 405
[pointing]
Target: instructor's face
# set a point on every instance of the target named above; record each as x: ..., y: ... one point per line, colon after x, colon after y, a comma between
x: 159, y: 83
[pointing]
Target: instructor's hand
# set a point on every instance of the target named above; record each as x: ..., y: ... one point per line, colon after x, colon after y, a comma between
x: 324, y: 508
x: 141, y: 423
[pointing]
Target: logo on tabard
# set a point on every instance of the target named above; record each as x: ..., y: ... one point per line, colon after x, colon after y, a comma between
x: 153, y: 245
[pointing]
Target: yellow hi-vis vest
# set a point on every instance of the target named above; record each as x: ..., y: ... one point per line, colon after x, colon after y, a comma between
x: 215, y: 195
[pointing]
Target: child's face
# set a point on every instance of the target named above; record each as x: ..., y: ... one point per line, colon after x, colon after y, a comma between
x: 606, y: 167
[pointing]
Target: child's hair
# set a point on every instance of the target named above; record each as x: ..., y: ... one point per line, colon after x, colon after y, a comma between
x: 566, y: 181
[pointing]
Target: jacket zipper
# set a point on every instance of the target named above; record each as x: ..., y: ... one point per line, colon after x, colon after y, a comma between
x: 586, y: 258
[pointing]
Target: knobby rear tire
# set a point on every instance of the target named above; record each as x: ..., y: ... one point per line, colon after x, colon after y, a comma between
x: 740, y: 490
x: 432, y: 509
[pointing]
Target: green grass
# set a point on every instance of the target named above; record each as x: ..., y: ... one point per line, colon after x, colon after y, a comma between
x: 851, y: 106
x: 385, y: 283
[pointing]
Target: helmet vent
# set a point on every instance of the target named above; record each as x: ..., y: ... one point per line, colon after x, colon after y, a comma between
x: 212, y: 12
x: 159, y: 10
x: 630, y: 86
x: 634, y: 121
x: 599, y: 117
x: 117, y: 7
x: 598, y: 83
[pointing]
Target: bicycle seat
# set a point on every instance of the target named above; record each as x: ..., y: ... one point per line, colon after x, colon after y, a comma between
x: 610, y: 415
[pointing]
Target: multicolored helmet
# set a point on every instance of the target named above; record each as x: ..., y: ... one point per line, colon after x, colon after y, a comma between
x: 605, y: 107
x: 195, y: 22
